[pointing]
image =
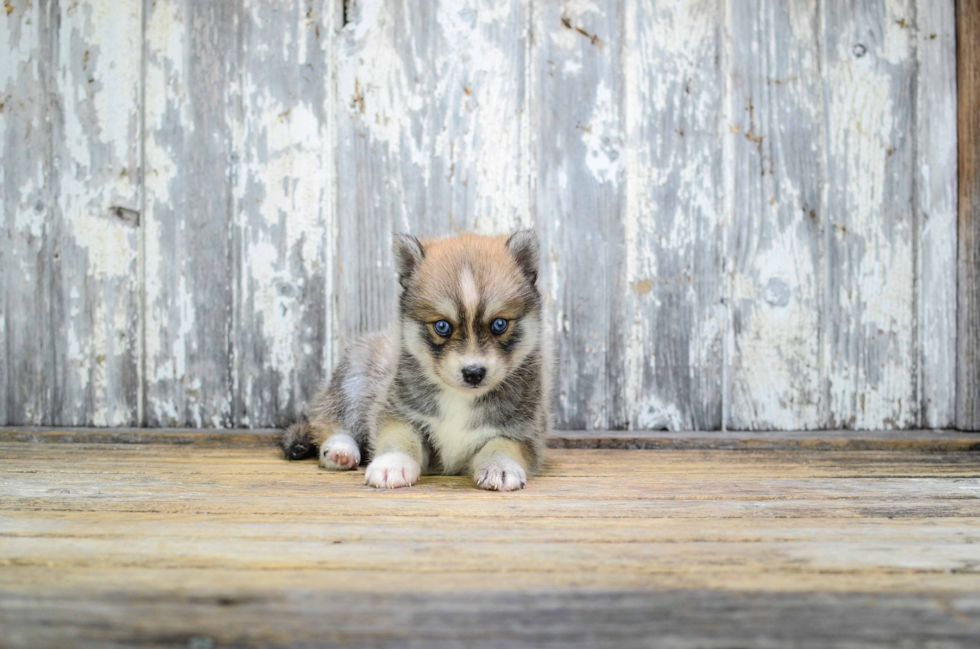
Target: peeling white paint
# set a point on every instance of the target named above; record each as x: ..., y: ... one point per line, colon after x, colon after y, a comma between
x: 457, y: 109
x: 672, y: 216
x: 440, y: 111
x: 602, y: 138
x: 871, y: 381
x: 96, y: 145
x: 285, y: 213
x: 776, y: 141
x: 936, y: 191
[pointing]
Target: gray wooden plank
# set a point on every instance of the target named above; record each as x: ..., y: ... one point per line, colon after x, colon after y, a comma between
x: 430, y: 137
x: 675, y: 250
x: 95, y: 175
x: 935, y: 209
x: 577, y: 117
x: 777, y: 215
x: 285, y: 201
x: 557, y: 618
x: 968, y: 292
x: 28, y: 205
x: 869, y: 230
x: 192, y: 62
x: 931, y: 441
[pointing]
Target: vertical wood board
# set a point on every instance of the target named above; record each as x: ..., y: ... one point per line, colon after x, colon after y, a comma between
x: 25, y: 182
x: 577, y: 121
x: 935, y: 209
x: 285, y: 208
x: 192, y: 68
x: 774, y: 241
x: 94, y: 282
x: 869, y: 231
x: 673, y: 229
x: 968, y: 293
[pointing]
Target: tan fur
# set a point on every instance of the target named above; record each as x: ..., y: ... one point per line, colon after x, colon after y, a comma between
x: 493, y: 268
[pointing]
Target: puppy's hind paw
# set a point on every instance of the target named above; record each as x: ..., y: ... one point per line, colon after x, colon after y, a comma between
x: 340, y: 453
x: 391, y: 471
x: 501, y: 474
x: 297, y: 441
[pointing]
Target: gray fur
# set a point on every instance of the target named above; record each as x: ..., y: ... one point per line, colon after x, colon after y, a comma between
x: 408, y: 256
x: 523, y: 244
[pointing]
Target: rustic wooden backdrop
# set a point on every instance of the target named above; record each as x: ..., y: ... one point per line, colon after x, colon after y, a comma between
x: 748, y: 209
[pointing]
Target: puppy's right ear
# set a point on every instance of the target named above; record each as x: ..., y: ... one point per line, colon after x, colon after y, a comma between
x: 408, y: 256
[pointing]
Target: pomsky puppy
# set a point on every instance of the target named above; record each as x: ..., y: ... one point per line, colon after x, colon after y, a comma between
x: 460, y: 385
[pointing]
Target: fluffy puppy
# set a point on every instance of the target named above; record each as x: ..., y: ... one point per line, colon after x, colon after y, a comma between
x: 459, y: 385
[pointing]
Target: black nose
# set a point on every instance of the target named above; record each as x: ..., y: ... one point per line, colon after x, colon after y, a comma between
x: 474, y: 374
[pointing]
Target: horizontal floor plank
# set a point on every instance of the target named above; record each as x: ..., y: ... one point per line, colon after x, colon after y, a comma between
x: 682, y: 618
x: 924, y: 440
x: 114, y: 543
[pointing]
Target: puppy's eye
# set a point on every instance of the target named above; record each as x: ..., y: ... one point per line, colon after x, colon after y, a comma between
x: 498, y: 326
x: 443, y: 328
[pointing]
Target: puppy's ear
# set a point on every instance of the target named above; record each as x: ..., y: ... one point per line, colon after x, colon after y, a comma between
x: 408, y: 256
x: 523, y: 245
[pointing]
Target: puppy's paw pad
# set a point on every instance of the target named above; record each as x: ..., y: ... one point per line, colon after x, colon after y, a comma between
x: 391, y: 471
x: 501, y: 475
x: 340, y: 453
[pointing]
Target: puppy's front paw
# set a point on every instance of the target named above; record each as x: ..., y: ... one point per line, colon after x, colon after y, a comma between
x: 500, y: 474
x: 392, y: 470
x: 340, y: 453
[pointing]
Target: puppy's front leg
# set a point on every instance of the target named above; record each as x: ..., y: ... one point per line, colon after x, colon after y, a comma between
x: 501, y: 465
x: 398, y: 456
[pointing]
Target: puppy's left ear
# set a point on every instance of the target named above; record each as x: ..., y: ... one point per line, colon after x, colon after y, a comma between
x: 523, y: 245
x: 408, y: 255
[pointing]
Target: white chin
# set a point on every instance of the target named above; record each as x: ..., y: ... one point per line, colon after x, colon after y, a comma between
x: 469, y: 389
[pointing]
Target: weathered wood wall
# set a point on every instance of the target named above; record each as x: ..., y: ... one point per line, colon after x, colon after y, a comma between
x: 748, y: 210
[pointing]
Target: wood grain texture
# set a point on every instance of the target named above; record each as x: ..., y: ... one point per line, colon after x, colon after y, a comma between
x: 776, y: 140
x: 869, y: 234
x: 579, y: 200
x: 968, y: 293
x: 192, y: 74
x: 935, y: 210
x: 430, y: 137
x: 164, y: 544
x: 72, y: 197
x: 933, y: 441
x: 674, y: 251
x: 27, y: 366
x: 553, y: 620
x: 285, y: 208
x: 95, y: 176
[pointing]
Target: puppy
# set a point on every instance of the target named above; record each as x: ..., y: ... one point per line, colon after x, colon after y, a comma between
x: 461, y: 384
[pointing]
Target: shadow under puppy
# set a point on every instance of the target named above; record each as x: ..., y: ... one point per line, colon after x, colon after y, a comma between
x: 460, y: 385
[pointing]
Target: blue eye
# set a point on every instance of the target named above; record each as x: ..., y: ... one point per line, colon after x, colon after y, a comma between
x: 498, y: 326
x: 443, y: 328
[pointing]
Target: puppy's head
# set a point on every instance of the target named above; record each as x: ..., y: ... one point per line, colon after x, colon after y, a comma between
x: 470, y: 312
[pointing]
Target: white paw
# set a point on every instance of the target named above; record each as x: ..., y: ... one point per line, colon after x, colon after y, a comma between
x: 340, y: 453
x: 501, y: 474
x: 392, y: 470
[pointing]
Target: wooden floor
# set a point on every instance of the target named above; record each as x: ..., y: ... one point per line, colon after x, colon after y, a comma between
x: 203, y: 545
